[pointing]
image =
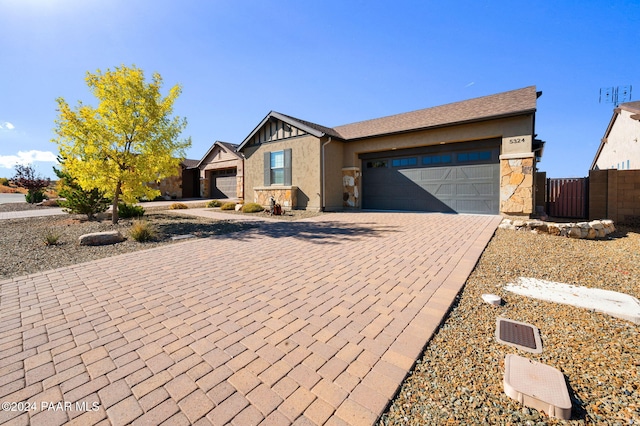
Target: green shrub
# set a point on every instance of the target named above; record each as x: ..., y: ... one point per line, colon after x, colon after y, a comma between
x: 78, y: 200
x: 130, y: 210
x: 214, y: 203
x: 142, y: 231
x: 178, y: 206
x: 252, y: 208
x: 34, y: 196
x: 228, y: 206
x: 4, y: 182
x: 51, y: 238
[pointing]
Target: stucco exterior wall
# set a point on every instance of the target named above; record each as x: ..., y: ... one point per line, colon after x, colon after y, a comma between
x: 622, y: 149
x: 305, y: 169
x: 333, y: 174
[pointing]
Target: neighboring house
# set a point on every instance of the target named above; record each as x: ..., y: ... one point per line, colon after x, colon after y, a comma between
x: 620, y: 146
x: 221, y: 172
x: 184, y: 184
x: 474, y: 156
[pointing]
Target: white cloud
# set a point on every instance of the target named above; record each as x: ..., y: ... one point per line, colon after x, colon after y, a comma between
x: 6, y: 125
x: 26, y: 157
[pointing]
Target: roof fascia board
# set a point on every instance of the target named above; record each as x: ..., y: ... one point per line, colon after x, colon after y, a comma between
x: 605, y: 138
x: 296, y: 123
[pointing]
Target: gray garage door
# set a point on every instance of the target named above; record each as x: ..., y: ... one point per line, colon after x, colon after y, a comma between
x: 223, y: 183
x: 456, y: 181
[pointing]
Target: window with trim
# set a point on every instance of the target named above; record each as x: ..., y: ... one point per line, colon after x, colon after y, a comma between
x: 277, y: 167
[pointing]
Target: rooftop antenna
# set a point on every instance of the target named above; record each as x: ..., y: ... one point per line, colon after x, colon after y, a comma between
x: 615, y: 95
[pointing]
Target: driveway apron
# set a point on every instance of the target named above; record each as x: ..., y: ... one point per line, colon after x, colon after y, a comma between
x: 308, y: 322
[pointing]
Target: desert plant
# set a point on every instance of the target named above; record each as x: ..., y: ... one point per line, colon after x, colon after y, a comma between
x: 52, y: 203
x: 35, y: 185
x: 143, y: 231
x: 252, y: 208
x: 130, y: 210
x: 228, y: 206
x: 51, y: 238
x: 214, y: 203
x: 178, y: 206
x: 77, y: 199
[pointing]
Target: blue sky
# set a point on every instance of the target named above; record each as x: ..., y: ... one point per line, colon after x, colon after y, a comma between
x: 330, y: 62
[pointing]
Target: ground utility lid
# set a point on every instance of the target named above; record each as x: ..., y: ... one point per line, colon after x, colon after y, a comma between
x: 519, y: 334
x: 537, y: 385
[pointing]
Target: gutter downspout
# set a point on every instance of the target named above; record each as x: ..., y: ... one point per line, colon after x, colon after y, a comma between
x: 324, y: 197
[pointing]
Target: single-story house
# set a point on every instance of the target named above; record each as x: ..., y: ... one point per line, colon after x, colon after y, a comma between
x: 221, y: 172
x: 474, y: 156
x: 620, y: 147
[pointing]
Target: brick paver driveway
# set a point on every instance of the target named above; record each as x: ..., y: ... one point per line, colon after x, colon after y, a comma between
x: 314, y: 322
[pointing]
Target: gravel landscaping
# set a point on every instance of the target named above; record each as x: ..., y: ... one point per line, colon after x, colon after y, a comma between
x: 23, y: 240
x: 459, y: 379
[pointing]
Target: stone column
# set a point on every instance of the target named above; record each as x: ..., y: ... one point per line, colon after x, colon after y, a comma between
x: 350, y: 184
x: 516, y: 184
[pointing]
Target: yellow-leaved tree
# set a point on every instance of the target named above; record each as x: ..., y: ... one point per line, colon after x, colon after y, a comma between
x: 128, y: 141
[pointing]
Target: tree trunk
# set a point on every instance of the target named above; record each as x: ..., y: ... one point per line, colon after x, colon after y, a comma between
x: 114, y: 207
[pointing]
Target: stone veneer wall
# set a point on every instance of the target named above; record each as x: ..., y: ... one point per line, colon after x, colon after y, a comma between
x: 350, y: 183
x: 516, y: 186
x: 286, y: 196
x: 205, y: 189
x: 171, y: 187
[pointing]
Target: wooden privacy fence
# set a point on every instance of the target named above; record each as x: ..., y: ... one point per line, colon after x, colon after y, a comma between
x: 568, y: 197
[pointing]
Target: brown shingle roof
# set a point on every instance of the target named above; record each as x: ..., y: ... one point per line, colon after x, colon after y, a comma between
x: 631, y: 106
x: 326, y: 130
x: 190, y: 164
x: 499, y: 105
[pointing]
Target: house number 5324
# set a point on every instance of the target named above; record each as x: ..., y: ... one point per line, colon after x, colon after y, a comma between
x: 516, y: 140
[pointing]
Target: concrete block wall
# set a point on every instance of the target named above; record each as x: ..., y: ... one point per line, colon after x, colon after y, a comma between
x: 615, y: 194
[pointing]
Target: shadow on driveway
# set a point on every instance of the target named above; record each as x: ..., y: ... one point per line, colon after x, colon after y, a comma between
x: 323, y: 232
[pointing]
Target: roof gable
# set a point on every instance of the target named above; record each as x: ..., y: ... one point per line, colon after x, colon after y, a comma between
x: 631, y: 107
x: 504, y: 104
x: 276, y: 126
x: 224, y: 146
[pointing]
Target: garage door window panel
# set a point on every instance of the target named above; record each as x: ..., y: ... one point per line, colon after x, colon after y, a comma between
x: 404, y: 162
x: 465, y: 157
x: 435, y: 160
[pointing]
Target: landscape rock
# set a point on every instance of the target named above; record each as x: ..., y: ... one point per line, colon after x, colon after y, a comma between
x: 581, y: 230
x: 101, y: 238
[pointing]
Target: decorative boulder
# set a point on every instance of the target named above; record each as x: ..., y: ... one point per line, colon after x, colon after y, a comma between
x: 101, y: 238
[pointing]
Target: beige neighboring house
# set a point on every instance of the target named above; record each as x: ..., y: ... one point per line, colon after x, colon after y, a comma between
x: 474, y: 156
x: 620, y: 146
x: 221, y: 172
